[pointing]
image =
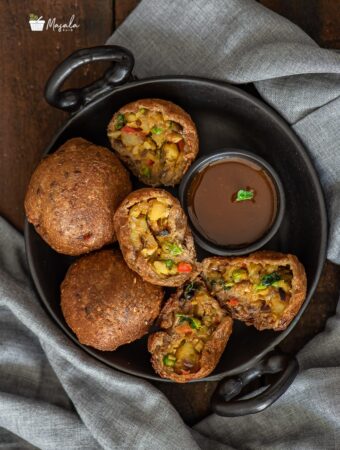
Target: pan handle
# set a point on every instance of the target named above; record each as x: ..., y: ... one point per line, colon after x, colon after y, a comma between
x: 231, y: 387
x: 74, y: 99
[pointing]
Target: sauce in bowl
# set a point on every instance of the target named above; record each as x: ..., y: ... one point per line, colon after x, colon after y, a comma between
x: 232, y: 202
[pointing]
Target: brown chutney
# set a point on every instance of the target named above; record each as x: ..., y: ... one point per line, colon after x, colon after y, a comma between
x: 218, y: 210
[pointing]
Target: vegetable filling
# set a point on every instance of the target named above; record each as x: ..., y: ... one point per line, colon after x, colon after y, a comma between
x: 192, y: 326
x: 253, y: 287
x: 152, y: 141
x: 154, y: 236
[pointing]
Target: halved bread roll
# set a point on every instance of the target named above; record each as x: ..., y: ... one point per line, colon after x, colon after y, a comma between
x: 265, y: 289
x: 196, y: 331
x: 154, y: 237
x: 156, y: 139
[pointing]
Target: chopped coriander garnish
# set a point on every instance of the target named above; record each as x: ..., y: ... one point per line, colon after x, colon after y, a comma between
x: 239, y: 275
x: 169, y: 263
x: 243, y: 194
x: 145, y: 172
x: 120, y: 121
x: 189, y: 290
x: 227, y: 285
x: 260, y: 287
x: 156, y: 130
x: 268, y: 280
x: 193, y: 321
x: 173, y: 248
x: 182, y: 317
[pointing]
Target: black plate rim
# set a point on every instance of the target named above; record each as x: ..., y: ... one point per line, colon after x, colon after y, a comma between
x: 312, y: 172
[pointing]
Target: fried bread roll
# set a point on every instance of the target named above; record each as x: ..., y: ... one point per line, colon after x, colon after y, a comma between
x: 265, y: 289
x: 196, y: 331
x: 105, y: 303
x: 73, y: 194
x: 156, y: 139
x: 154, y: 237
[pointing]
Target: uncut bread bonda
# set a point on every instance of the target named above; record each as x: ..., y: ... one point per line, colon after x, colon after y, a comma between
x: 73, y: 194
x: 105, y: 303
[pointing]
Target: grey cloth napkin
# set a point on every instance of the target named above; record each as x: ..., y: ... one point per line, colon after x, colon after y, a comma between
x: 52, y: 394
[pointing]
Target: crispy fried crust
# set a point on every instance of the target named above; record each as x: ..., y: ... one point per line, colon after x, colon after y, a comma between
x: 136, y: 261
x: 211, y: 354
x: 299, y: 285
x: 105, y: 303
x: 73, y: 194
x: 172, y: 112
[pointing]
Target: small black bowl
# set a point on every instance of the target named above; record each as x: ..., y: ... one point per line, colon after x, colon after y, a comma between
x: 220, y: 155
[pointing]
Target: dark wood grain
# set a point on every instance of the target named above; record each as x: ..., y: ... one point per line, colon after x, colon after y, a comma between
x: 123, y: 9
x: 319, y: 18
x: 27, y: 123
x: 322, y: 306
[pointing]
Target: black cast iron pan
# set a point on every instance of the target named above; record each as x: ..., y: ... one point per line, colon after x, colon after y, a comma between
x: 225, y: 116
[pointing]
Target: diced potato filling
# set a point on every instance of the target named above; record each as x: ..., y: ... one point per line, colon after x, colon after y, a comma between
x: 192, y: 326
x: 151, y: 236
x: 154, y: 142
x: 266, y: 288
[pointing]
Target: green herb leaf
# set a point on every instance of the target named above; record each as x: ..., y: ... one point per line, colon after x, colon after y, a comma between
x: 193, y: 321
x: 142, y: 110
x: 239, y: 275
x: 173, y: 248
x: 145, y: 171
x: 243, y: 195
x: 260, y: 287
x: 190, y: 289
x: 268, y: 280
x: 227, y: 285
x: 156, y: 130
x: 169, y: 263
x: 180, y: 315
x: 120, y: 121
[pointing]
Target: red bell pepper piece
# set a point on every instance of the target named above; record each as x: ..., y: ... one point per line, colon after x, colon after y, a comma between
x: 233, y: 302
x: 181, y: 145
x: 184, y: 267
x: 128, y: 129
x: 184, y: 328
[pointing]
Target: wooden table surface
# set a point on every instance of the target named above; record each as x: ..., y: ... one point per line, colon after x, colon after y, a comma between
x: 27, y: 123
